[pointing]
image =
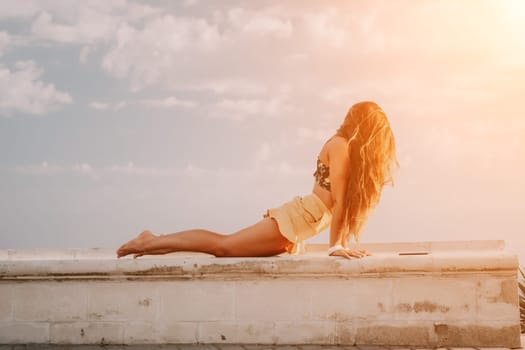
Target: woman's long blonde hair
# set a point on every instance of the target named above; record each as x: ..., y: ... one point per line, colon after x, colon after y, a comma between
x: 372, y: 153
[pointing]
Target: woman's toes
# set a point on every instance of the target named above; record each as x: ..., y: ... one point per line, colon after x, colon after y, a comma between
x: 135, y: 245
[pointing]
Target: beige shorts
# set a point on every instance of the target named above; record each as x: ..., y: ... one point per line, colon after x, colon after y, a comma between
x: 300, y: 219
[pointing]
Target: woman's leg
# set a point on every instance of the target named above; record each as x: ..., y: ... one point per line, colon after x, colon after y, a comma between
x: 260, y: 239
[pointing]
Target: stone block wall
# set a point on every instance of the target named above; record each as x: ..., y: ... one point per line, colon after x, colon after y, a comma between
x: 448, y: 298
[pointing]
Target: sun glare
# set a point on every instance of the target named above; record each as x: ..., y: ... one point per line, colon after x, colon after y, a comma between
x: 512, y: 26
x: 514, y: 11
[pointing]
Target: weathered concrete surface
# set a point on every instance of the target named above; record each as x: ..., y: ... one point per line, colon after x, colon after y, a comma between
x: 465, y: 295
x: 217, y: 347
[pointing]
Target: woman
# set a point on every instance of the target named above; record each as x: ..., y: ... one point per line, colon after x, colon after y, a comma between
x: 352, y: 168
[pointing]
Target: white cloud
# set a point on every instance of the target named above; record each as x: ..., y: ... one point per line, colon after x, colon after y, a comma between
x: 149, y: 47
x: 237, y: 109
x: 168, y: 102
x: 146, y: 55
x: 84, y: 53
x: 100, y: 106
x: 188, y: 3
x: 94, y: 21
x: 262, y: 154
x: 326, y: 28
x: 47, y: 169
x: 240, y: 109
x: 121, y: 104
x: 183, y: 52
x: 44, y: 28
x: 244, y: 53
x: 260, y: 46
x: 85, y: 169
x: 131, y: 169
x: 310, y: 134
x: 20, y: 9
x: 5, y: 40
x: 338, y: 93
x: 22, y: 91
x: 228, y: 85
x: 233, y: 109
x: 192, y: 171
x: 162, y: 103
x: 259, y: 23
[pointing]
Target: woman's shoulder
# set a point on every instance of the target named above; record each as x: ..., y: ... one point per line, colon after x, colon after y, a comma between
x: 335, y: 147
x: 337, y: 143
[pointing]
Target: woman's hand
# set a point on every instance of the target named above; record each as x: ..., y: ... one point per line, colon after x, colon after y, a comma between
x: 363, y: 251
x: 345, y: 252
x: 349, y: 253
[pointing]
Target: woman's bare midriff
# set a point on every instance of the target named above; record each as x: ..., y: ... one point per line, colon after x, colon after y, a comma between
x: 324, y: 157
x: 324, y: 195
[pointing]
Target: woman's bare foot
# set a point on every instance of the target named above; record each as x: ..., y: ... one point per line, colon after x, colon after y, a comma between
x: 152, y: 252
x: 136, y: 245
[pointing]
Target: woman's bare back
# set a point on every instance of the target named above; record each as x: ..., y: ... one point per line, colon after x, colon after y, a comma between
x: 334, y: 144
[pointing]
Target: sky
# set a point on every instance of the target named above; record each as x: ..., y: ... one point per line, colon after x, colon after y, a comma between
x: 119, y: 116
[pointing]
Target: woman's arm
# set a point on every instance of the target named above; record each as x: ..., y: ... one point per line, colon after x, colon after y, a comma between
x: 339, y: 164
x: 339, y: 169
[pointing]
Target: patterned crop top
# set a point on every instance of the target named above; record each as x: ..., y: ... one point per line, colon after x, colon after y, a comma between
x: 322, y: 174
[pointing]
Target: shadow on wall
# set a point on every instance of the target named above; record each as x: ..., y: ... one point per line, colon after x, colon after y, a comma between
x: 521, y: 280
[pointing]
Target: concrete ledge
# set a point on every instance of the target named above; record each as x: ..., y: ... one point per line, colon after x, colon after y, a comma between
x: 475, y: 257
x: 460, y: 294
